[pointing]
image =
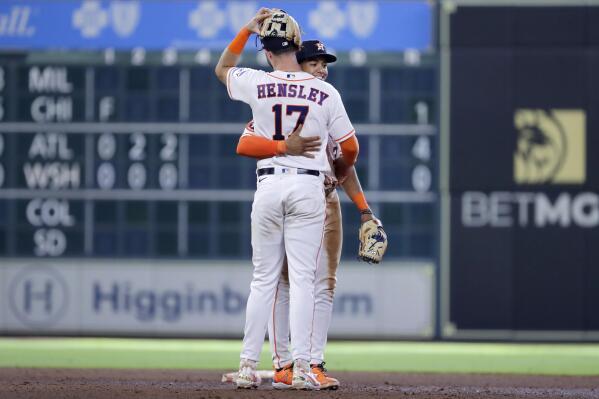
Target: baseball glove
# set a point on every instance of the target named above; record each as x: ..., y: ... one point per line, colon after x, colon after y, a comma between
x: 373, y: 241
x: 280, y: 24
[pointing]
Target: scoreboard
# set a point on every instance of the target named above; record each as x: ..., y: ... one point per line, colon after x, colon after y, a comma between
x: 124, y: 208
x: 104, y: 159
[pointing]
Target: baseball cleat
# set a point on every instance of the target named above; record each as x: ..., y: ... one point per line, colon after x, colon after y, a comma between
x: 263, y: 375
x: 246, y: 376
x: 303, y: 378
x: 326, y: 382
x: 283, y: 377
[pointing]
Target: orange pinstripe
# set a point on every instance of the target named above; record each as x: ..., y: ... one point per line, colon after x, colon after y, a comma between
x: 346, y: 135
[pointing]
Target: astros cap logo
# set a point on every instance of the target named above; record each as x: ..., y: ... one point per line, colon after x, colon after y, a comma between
x: 551, y: 146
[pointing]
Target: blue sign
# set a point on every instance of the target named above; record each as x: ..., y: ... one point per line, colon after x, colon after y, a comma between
x: 195, y: 25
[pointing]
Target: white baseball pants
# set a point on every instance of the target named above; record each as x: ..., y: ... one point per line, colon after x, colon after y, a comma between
x: 324, y: 291
x: 288, y: 216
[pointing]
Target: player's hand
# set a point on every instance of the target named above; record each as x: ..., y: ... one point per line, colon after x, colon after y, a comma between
x: 256, y: 22
x: 303, y: 146
x: 330, y: 184
x: 364, y: 217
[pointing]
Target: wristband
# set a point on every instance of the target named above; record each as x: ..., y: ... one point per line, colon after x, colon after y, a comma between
x: 237, y: 45
x: 360, y: 201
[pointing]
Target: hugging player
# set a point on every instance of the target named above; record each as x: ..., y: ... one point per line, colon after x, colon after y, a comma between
x: 288, y: 212
x: 313, y: 59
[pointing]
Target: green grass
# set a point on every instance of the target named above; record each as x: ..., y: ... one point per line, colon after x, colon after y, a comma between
x: 564, y: 359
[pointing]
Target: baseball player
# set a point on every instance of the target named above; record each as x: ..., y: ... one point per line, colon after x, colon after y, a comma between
x: 288, y: 212
x: 313, y: 59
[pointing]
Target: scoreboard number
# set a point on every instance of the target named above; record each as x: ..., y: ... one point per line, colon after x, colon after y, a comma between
x: 421, y: 109
x: 138, y: 149
x: 106, y: 146
x: 421, y: 178
x: 422, y: 148
x: 167, y: 177
x: 136, y: 176
x: 106, y: 176
x: 169, y: 150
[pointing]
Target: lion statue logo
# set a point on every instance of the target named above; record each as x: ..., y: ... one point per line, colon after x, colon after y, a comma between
x: 541, y: 146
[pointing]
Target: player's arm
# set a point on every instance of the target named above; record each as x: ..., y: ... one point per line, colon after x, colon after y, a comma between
x: 342, y: 131
x: 349, y: 154
x: 259, y: 147
x: 349, y: 150
x: 230, y: 56
x: 353, y: 189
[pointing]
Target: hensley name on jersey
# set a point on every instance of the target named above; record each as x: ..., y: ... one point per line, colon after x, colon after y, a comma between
x: 281, y: 100
x: 268, y: 90
x: 290, y: 89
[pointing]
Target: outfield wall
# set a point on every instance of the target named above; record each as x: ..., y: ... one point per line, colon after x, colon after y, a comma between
x: 199, y: 299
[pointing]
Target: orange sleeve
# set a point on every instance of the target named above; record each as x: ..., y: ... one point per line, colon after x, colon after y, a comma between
x: 360, y: 201
x: 349, y: 150
x: 260, y: 147
x: 237, y: 44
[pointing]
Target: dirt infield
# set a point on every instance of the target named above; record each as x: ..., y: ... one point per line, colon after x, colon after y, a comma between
x: 150, y: 384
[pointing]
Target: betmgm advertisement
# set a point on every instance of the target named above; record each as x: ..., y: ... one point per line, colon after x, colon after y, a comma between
x: 550, y: 150
x: 522, y: 259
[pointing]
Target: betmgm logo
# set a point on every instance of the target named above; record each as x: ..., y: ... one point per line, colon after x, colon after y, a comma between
x: 550, y: 150
x: 550, y: 147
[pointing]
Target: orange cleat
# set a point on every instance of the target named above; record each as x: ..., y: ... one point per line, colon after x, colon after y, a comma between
x: 283, y: 377
x: 326, y: 382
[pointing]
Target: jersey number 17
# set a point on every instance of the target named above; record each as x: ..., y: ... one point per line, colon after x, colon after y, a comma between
x: 290, y: 109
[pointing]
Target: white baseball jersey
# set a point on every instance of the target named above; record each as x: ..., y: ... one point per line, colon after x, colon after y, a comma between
x: 280, y: 100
